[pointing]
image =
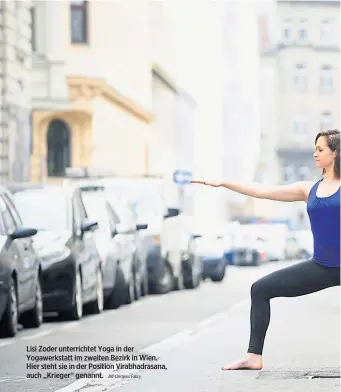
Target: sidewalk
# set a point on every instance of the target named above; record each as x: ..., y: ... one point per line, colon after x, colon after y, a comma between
x: 303, y: 340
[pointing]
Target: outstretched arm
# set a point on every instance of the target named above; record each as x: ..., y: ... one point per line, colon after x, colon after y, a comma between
x: 297, y: 191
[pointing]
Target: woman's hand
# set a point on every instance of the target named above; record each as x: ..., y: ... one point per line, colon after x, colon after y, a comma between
x: 215, y: 184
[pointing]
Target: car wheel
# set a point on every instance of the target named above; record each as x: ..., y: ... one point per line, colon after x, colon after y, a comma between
x: 165, y: 282
x: 145, y: 284
x: 96, y: 306
x: 117, y: 295
x: 193, y: 277
x: 130, y: 289
x: 34, y: 317
x: 219, y: 275
x: 76, y: 311
x: 9, y: 322
x: 137, y: 287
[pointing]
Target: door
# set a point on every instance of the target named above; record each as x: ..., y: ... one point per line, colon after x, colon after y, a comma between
x: 24, y: 262
x: 122, y: 241
x: 88, y: 255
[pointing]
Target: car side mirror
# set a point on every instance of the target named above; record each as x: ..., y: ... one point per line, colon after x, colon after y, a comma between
x: 141, y: 226
x: 89, y: 226
x: 172, y: 212
x: 122, y: 229
x: 23, y: 232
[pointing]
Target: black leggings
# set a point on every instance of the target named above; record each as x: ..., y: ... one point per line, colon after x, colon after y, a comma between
x: 300, y: 279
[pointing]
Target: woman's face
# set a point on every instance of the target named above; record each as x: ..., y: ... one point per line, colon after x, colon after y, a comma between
x: 324, y: 156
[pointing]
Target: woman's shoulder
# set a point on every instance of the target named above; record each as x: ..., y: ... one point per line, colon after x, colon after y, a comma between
x: 308, y: 186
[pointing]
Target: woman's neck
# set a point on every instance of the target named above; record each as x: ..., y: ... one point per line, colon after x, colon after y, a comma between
x: 329, y: 176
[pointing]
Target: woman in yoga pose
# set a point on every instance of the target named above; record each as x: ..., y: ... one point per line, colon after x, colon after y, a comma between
x: 319, y: 273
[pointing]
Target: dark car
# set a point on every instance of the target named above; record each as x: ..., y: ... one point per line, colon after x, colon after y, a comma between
x: 71, y: 268
x: 20, y: 272
x: 125, y: 221
x: 118, y: 241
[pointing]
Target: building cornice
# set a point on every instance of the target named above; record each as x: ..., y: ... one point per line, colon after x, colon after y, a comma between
x: 164, y: 76
x: 86, y: 89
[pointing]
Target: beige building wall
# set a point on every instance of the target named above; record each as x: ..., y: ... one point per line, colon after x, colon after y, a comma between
x: 101, y: 88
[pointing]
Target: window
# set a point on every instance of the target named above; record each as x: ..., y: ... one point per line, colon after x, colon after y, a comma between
x: 31, y: 203
x: 326, y: 121
x: 326, y: 78
x: 288, y: 174
x: 300, y: 124
x: 300, y: 77
x: 79, y: 25
x: 33, y: 27
x: 304, y: 173
x: 13, y: 210
x: 287, y: 32
x: 303, y: 30
x: 58, y: 148
x: 326, y: 32
x: 8, y: 223
x: 96, y: 210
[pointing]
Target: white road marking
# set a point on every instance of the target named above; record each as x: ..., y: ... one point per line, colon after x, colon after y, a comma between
x: 179, y: 339
x: 7, y: 343
x: 70, y: 325
x: 210, y: 320
x: 39, y: 334
x: 239, y: 305
x: 13, y: 379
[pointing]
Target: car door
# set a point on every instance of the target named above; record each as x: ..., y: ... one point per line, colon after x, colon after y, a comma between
x: 29, y: 253
x: 121, y: 242
x: 23, y: 263
x: 89, y: 256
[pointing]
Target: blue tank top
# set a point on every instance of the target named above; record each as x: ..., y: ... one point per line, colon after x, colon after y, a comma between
x: 324, y: 215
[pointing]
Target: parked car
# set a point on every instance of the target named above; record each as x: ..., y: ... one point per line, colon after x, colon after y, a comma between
x: 230, y: 233
x: 125, y: 221
x: 20, y: 271
x: 171, y: 263
x: 71, y: 268
x: 208, y: 247
x: 250, y: 250
x: 117, y: 236
x: 299, y: 245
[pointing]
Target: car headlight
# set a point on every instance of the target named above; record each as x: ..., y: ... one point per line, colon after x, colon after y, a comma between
x: 54, y: 256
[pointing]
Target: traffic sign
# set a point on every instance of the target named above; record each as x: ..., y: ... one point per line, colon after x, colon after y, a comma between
x: 182, y: 177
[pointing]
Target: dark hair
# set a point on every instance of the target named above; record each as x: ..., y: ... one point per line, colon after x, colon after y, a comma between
x: 333, y: 141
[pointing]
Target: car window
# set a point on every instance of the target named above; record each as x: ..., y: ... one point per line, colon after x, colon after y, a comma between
x: 7, y: 220
x: 95, y: 207
x: 13, y: 210
x: 113, y: 217
x: 77, y: 216
x: 44, y: 209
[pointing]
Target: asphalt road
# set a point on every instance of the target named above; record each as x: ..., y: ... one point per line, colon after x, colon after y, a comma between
x: 191, y: 332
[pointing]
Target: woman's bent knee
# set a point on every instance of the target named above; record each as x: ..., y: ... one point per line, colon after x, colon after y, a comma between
x: 259, y: 289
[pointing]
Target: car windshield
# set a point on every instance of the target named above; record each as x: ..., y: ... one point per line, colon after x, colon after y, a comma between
x: 146, y: 199
x: 44, y: 210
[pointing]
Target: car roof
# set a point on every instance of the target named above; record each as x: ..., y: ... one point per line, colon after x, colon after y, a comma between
x: 32, y: 187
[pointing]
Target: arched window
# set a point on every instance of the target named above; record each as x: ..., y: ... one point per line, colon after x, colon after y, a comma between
x: 58, y: 148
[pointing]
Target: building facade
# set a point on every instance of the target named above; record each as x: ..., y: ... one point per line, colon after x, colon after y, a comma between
x: 308, y: 60
x: 92, y: 101
x: 242, y: 111
x: 15, y: 90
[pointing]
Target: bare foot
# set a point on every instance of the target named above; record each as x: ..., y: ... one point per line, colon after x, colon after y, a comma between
x: 250, y: 362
